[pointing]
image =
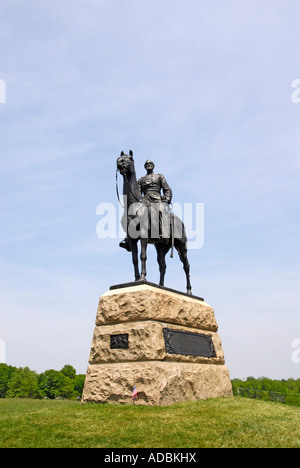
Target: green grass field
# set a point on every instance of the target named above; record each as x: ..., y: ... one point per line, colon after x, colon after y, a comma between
x: 223, y: 422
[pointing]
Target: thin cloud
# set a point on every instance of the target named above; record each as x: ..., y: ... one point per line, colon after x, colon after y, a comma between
x: 203, y: 89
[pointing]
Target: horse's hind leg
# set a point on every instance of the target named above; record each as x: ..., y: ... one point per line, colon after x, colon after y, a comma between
x: 182, y: 251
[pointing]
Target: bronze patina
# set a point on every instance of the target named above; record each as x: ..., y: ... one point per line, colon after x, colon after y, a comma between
x: 147, y: 218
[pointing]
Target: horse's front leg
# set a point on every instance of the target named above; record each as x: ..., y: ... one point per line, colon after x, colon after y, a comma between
x: 161, y: 254
x: 135, y: 260
x: 144, y: 243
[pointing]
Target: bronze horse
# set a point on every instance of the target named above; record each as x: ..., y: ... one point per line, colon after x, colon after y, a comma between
x: 136, y: 224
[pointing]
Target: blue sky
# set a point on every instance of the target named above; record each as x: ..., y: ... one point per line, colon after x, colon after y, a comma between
x: 202, y: 88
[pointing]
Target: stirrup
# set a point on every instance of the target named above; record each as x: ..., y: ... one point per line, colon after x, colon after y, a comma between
x: 124, y: 244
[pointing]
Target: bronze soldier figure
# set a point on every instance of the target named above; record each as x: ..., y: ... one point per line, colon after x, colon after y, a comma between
x: 151, y: 186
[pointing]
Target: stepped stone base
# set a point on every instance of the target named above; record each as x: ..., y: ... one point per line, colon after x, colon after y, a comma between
x: 163, y: 342
x: 158, y: 383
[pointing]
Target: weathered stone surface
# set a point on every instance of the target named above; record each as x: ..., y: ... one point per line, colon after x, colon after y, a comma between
x: 145, y: 302
x: 133, y: 325
x: 146, y: 342
x: 157, y: 383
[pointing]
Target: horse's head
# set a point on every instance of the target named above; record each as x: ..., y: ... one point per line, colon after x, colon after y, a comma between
x: 125, y: 163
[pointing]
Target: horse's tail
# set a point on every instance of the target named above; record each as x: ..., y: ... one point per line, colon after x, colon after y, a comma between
x: 172, y: 235
x: 178, y: 232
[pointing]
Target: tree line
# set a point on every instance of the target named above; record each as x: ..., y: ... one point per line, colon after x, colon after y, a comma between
x: 24, y: 383
x: 263, y: 388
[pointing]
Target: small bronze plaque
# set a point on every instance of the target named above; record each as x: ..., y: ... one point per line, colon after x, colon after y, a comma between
x: 188, y: 343
x: 119, y: 341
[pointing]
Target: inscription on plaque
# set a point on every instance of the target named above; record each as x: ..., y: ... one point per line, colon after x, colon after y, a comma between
x: 119, y: 341
x: 188, y: 343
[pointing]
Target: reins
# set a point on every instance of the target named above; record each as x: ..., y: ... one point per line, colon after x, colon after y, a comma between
x: 117, y: 189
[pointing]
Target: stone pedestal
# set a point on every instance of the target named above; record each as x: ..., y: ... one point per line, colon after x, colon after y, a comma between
x: 161, y: 341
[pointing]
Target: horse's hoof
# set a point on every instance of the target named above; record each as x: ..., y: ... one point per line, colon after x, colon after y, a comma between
x: 189, y: 291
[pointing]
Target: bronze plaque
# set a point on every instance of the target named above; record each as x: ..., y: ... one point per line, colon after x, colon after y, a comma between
x: 119, y: 341
x: 188, y: 343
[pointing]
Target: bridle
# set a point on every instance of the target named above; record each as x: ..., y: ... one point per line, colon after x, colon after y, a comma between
x: 117, y: 189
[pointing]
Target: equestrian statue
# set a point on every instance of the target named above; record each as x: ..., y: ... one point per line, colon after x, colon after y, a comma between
x: 148, y: 218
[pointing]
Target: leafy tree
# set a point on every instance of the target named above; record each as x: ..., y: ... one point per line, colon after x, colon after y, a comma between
x: 67, y: 389
x: 69, y: 371
x: 23, y: 384
x: 283, y: 391
x: 6, y: 373
x: 51, y: 383
x: 79, y: 384
x: 54, y: 384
